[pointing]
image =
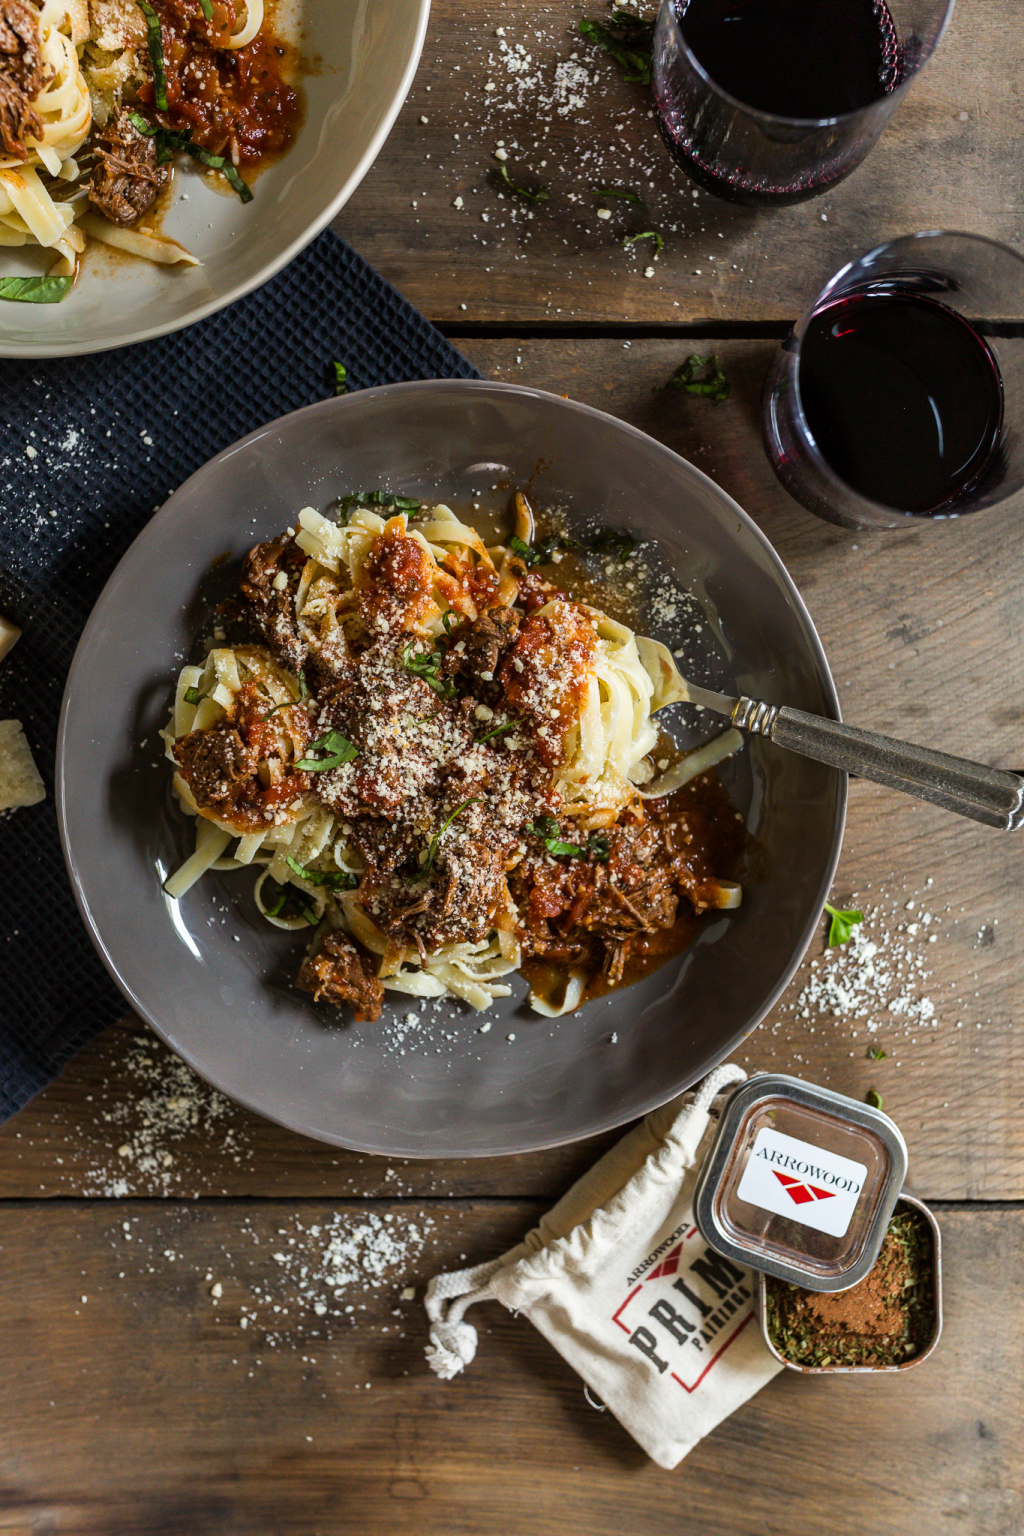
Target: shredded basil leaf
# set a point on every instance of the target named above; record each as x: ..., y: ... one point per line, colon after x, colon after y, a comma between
x: 289, y: 703
x: 621, y: 544
x: 219, y: 163
x: 541, y: 552
x: 428, y: 862
x: 427, y: 665
x: 631, y: 48
x: 290, y: 901
x: 141, y: 125
x: 537, y: 195
x: 338, y: 750
x: 596, y: 848
x: 700, y: 376
x: 376, y: 499
x: 544, y: 826
x: 331, y: 880
x: 447, y: 621
x: 340, y: 378
x: 874, y: 1098
x: 35, y: 290
x: 193, y: 696
x: 545, y: 548
x: 623, y: 195
x: 842, y: 925
x: 646, y: 234
x: 155, y: 43
x: 207, y: 9
x: 875, y: 1053
x: 499, y: 730
x: 523, y: 550
x: 550, y: 838
x: 609, y: 541
x: 169, y: 139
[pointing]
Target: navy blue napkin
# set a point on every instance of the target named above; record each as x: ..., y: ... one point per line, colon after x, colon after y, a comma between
x: 78, y: 480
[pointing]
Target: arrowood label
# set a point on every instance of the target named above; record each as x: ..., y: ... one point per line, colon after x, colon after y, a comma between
x: 807, y: 1184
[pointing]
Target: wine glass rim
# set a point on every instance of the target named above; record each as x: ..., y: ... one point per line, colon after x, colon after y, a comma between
x: 822, y: 300
x: 805, y: 122
x: 825, y: 295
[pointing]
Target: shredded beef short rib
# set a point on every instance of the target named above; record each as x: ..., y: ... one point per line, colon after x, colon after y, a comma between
x: 471, y: 884
x: 216, y: 764
x: 339, y: 971
x: 126, y: 180
x: 272, y: 611
x: 458, y: 906
x: 483, y: 644
x: 22, y: 76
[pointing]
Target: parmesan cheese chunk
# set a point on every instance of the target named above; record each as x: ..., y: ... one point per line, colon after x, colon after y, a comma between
x: 8, y: 634
x: 20, y: 783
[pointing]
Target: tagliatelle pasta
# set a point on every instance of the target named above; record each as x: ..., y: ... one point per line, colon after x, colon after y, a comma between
x: 99, y: 100
x: 431, y: 754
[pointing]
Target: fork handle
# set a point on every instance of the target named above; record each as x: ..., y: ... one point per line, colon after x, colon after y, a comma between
x: 991, y: 795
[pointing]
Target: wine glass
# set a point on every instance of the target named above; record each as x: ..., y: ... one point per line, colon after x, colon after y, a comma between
x: 775, y: 101
x: 891, y: 400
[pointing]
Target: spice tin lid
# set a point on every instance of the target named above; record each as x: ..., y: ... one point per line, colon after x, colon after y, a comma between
x: 800, y: 1182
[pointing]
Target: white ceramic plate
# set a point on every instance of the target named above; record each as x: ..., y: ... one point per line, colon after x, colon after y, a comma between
x: 369, y: 50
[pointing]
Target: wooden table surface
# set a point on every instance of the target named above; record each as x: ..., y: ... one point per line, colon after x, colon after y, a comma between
x: 163, y: 1372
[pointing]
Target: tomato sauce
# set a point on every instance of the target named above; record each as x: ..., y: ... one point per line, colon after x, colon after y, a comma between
x: 702, y: 840
x: 236, y: 102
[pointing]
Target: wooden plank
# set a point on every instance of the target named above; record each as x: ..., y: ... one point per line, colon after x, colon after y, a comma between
x: 948, y: 160
x: 170, y: 1417
x: 899, y: 615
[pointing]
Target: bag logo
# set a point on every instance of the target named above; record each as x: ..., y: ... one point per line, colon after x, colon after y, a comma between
x: 669, y: 1264
x: 800, y: 1192
x: 685, y: 1307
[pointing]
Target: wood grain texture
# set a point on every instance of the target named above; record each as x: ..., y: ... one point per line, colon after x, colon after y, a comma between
x: 147, y: 1409
x: 902, y: 616
x: 950, y: 158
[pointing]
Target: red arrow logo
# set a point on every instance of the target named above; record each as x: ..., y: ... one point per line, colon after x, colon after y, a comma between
x: 799, y: 1191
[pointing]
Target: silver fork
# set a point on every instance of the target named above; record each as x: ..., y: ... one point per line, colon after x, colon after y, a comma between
x: 994, y: 796
x: 70, y: 191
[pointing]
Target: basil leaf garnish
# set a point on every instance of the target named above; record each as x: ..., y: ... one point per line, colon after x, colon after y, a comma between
x: 35, y: 290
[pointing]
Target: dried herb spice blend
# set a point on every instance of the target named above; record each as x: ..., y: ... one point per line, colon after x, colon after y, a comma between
x: 887, y: 1318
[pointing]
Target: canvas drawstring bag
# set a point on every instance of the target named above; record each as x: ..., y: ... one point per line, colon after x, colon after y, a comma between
x: 618, y: 1278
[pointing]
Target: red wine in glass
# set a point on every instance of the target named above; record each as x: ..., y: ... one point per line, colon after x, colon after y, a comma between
x: 795, y: 58
x: 782, y: 72
x: 890, y: 402
x: 903, y: 399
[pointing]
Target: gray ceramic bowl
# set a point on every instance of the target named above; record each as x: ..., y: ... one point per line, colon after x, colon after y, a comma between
x: 214, y: 981
x: 366, y: 55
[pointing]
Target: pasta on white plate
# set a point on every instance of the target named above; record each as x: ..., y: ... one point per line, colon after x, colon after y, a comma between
x: 98, y: 98
x: 429, y: 753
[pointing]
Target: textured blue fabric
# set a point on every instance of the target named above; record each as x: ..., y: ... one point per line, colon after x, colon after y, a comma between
x: 79, y: 477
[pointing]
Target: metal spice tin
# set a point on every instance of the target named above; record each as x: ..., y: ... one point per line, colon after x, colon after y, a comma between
x: 905, y: 1365
x: 800, y: 1182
